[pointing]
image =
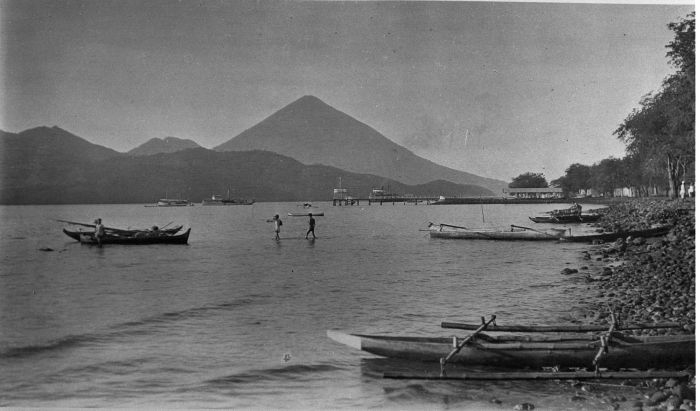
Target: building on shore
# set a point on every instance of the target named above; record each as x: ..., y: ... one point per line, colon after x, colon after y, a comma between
x: 543, y: 193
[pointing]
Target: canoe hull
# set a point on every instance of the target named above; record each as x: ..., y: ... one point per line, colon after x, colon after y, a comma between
x: 449, y: 232
x: 638, y: 352
x: 651, y: 232
x: 567, y: 219
x: 89, y: 238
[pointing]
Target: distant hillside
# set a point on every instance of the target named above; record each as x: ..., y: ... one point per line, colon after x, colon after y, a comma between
x: 46, y: 143
x: 92, y: 174
x: 163, y: 145
x: 45, y: 158
x: 313, y: 132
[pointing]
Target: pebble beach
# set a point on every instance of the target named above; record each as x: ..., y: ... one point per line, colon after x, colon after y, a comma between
x: 645, y: 280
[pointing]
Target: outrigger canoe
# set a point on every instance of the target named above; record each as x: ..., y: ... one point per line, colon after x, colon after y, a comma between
x: 141, y: 237
x: 612, y: 350
x: 518, y: 233
x: 566, y: 219
x: 76, y: 234
x: 512, y: 233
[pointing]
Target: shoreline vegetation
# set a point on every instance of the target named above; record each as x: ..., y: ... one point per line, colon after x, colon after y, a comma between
x: 645, y: 281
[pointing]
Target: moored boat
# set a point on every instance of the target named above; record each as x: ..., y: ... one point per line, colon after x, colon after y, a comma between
x: 533, y: 351
x: 518, y: 233
x: 567, y: 218
x: 513, y: 233
x: 139, y: 238
x: 654, y: 231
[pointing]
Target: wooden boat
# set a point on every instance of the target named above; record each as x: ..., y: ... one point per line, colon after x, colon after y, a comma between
x: 533, y: 351
x: 514, y: 233
x: 612, y: 236
x: 138, y: 238
x: 316, y: 214
x: 76, y: 234
x: 567, y: 219
x: 518, y: 233
x: 112, y: 230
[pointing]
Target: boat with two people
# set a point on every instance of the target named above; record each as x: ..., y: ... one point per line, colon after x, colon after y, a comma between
x: 559, y: 347
x: 521, y: 233
x: 153, y: 235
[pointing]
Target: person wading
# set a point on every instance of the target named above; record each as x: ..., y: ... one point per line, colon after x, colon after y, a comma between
x: 312, y: 226
x: 99, y: 231
x: 278, y: 224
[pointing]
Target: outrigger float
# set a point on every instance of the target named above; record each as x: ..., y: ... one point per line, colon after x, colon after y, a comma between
x: 605, y: 350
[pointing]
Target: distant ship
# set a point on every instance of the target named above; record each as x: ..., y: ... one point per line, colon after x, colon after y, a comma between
x: 171, y: 202
x: 219, y: 200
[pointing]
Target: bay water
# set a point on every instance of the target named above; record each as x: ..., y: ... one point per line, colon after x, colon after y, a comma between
x: 236, y: 319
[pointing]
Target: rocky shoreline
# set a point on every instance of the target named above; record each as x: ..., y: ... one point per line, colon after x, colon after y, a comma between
x: 652, y: 279
x: 648, y: 280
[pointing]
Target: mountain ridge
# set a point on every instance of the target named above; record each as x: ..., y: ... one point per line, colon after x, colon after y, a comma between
x: 79, y: 175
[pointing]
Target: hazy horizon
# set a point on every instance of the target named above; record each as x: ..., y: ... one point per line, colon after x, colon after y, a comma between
x: 494, y: 89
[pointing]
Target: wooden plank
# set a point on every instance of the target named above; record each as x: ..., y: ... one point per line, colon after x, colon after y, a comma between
x: 557, y: 328
x: 567, y: 375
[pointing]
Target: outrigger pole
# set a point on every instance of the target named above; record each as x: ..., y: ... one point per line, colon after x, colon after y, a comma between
x: 560, y: 375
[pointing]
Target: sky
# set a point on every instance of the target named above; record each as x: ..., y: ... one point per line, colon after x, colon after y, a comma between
x: 492, y: 88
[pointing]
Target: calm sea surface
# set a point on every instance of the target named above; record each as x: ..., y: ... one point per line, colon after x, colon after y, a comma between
x: 236, y: 319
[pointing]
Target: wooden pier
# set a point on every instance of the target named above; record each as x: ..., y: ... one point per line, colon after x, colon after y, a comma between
x: 448, y: 200
x: 382, y: 201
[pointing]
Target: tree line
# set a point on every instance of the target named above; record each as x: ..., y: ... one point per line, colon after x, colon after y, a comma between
x: 659, y: 135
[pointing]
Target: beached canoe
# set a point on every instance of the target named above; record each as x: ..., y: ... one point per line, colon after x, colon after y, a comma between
x: 535, y: 351
x: 512, y: 233
x: 566, y: 219
x: 518, y: 233
x: 316, y: 214
x: 142, y: 237
x: 612, y: 236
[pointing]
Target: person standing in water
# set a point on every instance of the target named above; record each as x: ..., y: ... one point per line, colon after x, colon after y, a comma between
x: 312, y: 226
x: 99, y: 231
x: 278, y: 223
